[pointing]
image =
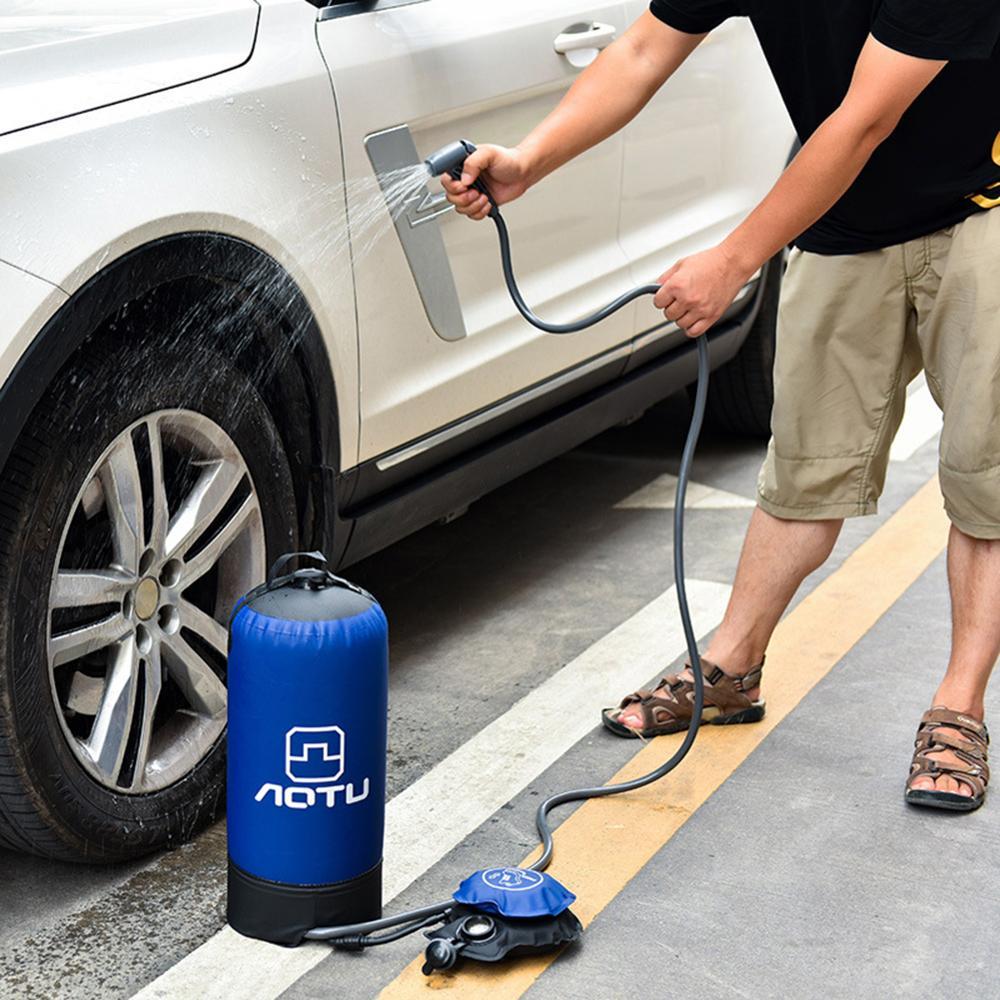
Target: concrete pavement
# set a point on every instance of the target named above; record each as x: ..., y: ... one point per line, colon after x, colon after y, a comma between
x: 794, y: 878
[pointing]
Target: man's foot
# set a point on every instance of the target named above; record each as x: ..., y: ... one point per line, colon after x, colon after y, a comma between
x: 949, y: 769
x: 729, y: 699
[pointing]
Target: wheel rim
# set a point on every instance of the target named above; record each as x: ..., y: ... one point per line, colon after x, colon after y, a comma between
x: 164, y: 536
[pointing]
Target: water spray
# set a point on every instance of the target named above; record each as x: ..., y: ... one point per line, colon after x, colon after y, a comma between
x: 306, y: 796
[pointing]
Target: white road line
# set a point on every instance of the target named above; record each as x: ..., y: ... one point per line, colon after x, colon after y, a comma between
x: 514, y: 749
x: 427, y: 820
x: 921, y: 422
x: 659, y: 495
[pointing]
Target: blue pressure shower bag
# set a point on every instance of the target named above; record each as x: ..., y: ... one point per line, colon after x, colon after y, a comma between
x: 515, y: 892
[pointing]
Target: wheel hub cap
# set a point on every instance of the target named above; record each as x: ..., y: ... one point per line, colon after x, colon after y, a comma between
x: 147, y: 597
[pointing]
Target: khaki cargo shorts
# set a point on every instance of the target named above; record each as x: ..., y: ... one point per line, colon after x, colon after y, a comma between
x: 853, y: 331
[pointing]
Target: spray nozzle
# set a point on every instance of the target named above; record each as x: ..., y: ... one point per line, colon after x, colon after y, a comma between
x: 450, y: 159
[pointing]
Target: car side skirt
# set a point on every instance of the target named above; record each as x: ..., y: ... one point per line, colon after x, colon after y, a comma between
x: 384, y: 507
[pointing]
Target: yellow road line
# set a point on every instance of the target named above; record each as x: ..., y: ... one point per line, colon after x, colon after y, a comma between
x: 606, y: 842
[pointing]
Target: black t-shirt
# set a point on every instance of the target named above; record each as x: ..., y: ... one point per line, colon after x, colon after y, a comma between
x: 942, y: 163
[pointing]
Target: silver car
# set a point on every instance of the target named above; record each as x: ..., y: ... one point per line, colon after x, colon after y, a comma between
x: 217, y: 345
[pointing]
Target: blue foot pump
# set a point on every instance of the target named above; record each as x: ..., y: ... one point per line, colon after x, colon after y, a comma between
x: 308, y: 690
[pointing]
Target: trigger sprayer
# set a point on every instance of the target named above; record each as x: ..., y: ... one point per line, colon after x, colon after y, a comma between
x: 451, y: 160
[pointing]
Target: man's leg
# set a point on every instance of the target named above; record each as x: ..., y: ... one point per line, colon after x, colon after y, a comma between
x: 958, y: 303
x: 839, y: 395
x: 777, y: 556
x: 974, y: 577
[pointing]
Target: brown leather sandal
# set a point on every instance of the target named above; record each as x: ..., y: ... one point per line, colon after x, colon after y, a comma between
x: 726, y: 703
x: 970, y: 748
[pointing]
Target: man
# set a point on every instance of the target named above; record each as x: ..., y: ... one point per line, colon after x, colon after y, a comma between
x: 896, y: 267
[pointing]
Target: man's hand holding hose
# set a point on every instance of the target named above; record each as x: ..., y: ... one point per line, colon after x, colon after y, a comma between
x: 506, y: 173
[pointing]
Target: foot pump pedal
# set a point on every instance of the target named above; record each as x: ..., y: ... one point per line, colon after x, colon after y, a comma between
x: 503, y: 912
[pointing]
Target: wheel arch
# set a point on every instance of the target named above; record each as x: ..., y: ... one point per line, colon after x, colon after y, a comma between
x: 249, y: 305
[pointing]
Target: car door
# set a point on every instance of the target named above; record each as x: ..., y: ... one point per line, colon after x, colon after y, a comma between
x: 439, y: 337
x: 702, y: 153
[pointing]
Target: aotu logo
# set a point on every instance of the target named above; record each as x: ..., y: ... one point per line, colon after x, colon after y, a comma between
x: 314, y: 756
x: 512, y: 879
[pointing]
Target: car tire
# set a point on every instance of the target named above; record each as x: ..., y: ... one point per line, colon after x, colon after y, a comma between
x: 741, y: 392
x: 68, y: 791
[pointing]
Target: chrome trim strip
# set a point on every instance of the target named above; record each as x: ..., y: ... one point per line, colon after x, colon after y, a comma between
x: 395, y: 458
x: 347, y: 9
x: 405, y: 454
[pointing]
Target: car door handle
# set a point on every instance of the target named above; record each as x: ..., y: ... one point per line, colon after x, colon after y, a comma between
x: 582, y: 38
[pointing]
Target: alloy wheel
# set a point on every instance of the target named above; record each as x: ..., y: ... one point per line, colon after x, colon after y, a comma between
x: 164, y: 537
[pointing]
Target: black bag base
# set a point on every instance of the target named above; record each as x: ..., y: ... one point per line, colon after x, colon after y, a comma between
x: 282, y: 914
x: 514, y: 936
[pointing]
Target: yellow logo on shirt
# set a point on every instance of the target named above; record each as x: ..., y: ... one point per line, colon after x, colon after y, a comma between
x: 981, y: 199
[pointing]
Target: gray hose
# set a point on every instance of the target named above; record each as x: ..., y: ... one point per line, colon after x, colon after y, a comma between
x: 598, y: 792
x: 525, y: 310
x: 355, y: 936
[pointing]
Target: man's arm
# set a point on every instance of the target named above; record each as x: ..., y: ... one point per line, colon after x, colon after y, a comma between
x: 604, y: 99
x: 698, y: 290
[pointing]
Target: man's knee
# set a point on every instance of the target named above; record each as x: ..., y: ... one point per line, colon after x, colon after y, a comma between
x: 972, y: 500
x: 809, y: 540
